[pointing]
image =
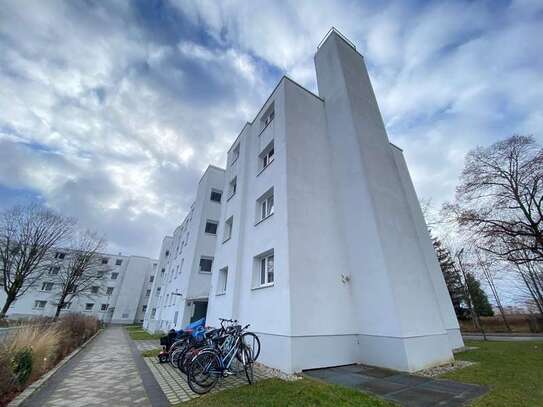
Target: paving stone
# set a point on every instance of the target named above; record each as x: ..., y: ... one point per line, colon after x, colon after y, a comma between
x: 106, y: 376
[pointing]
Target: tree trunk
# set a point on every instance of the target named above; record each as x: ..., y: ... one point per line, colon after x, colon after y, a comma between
x: 60, y: 305
x: 9, y: 300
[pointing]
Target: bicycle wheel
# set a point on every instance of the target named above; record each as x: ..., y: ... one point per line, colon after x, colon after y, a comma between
x: 251, y: 341
x: 174, y: 356
x: 248, y: 365
x: 204, y: 372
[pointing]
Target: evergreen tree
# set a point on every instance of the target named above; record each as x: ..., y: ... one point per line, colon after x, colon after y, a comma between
x: 451, y: 276
x: 478, y: 297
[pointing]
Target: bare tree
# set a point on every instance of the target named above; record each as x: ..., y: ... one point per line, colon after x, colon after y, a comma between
x: 488, y: 268
x: 500, y: 199
x: 27, y: 235
x: 82, y: 272
x: 531, y: 274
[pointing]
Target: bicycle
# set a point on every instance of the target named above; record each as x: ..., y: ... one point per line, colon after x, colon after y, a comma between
x: 211, y: 363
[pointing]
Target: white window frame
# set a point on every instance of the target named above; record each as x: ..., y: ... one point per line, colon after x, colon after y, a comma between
x: 40, y: 304
x: 87, y: 306
x: 109, y: 290
x: 209, y: 221
x: 47, y: 286
x: 232, y: 187
x: 200, y: 265
x: 264, y: 271
x: 222, y: 281
x: 102, y: 307
x: 116, y: 274
x: 265, y: 206
x: 228, y: 226
x: 215, y: 191
x: 235, y: 153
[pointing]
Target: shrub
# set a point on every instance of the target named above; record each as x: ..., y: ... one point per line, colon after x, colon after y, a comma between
x: 30, y: 351
x: 21, y: 365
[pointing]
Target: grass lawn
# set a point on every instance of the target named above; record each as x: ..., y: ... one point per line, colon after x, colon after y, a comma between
x: 513, y: 370
x: 276, y: 392
x: 138, y: 334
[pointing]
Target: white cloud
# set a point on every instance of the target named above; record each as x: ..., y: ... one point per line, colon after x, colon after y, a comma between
x: 112, y: 117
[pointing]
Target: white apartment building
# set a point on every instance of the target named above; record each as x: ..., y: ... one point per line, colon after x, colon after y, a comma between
x: 181, y: 287
x: 322, y: 246
x: 120, y: 297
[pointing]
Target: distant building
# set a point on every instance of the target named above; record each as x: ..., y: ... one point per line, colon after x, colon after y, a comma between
x: 320, y: 242
x: 181, y: 287
x: 120, y: 298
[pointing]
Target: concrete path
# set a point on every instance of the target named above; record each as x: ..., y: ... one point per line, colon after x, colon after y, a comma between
x: 402, y: 388
x: 505, y: 337
x: 103, y: 374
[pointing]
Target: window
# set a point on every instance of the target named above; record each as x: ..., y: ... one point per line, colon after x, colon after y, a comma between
x: 118, y: 262
x: 216, y: 195
x: 153, y: 313
x: 114, y: 276
x: 158, y: 291
x: 211, y: 227
x: 148, y: 293
x: 60, y: 255
x: 47, y: 286
x: 54, y: 270
x: 105, y: 260
x: 66, y: 305
x: 235, y: 154
x: 267, y: 155
x: 167, y: 253
x: 144, y: 308
x: 223, y: 279
x: 104, y: 307
x: 265, y: 205
x: 265, y: 269
x: 39, y: 304
x: 163, y: 270
x: 109, y: 291
x: 94, y: 289
x: 228, y: 228
x: 232, y: 187
x: 151, y: 279
x: 205, y: 264
x: 268, y: 116
x: 89, y: 306
x: 124, y: 316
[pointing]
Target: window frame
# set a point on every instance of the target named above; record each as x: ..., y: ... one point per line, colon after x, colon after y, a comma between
x: 222, y: 283
x: 263, y: 206
x: 232, y: 190
x: 211, y: 222
x: 216, y: 192
x: 262, y: 270
x: 228, y: 226
x: 200, y: 264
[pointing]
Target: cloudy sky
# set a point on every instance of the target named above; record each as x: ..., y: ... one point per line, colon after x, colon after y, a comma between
x: 111, y: 110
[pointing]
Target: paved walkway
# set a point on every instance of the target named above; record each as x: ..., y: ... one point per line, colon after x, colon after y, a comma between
x: 402, y: 388
x: 174, y: 383
x: 103, y: 374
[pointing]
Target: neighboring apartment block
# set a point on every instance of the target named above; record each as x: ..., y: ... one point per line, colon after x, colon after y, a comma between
x: 181, y: 287
x: 321, y: 243
x: 119, y: 297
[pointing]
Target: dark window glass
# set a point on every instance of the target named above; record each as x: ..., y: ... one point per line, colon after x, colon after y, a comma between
x: 216, y: 196
x: 205, y: 264
x: 211, y: 227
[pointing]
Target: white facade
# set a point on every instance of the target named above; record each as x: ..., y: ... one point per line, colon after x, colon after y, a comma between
x: 120, y: 297
x: 322, y: 246
x: 181, y: 287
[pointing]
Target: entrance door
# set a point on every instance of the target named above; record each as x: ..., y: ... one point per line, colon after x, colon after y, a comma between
x: 200, y: 310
